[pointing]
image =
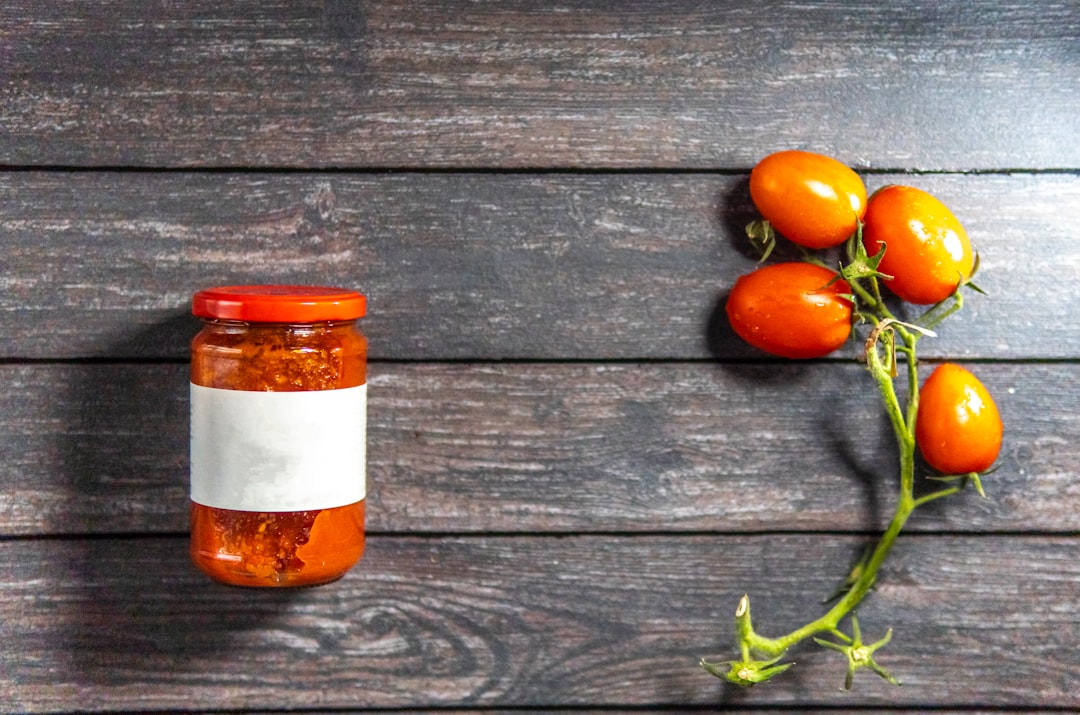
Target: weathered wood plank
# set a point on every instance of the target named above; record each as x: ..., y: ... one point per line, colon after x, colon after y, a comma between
x: 477, y: 266
x: 551, y: 448
x: 685, y: 709
x: 667, y: 710
x: 926, y: 85
x: 117, y: 624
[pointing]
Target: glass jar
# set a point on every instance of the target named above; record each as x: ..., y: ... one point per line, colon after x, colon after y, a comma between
x: 278, y: 434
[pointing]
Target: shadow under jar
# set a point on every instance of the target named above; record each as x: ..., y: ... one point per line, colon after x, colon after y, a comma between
x: 278, y: 434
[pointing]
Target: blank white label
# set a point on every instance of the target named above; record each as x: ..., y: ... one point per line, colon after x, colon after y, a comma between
x: 278, y: 451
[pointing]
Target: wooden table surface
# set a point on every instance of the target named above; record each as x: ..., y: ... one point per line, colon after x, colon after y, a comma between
x: 575, y: 468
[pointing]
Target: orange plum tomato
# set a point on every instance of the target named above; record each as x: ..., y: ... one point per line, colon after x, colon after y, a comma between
x: 958, y: 427
x: 927, y: 251
x: 791, y: 310
x: 811, y: 199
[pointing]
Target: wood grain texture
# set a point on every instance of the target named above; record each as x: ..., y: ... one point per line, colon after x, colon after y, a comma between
x: 478, y: 266
x: 398, y: 83
x: 115, y: 624
x: 556, y: 448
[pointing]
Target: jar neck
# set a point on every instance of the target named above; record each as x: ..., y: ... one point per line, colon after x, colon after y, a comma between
x: 225, y: 324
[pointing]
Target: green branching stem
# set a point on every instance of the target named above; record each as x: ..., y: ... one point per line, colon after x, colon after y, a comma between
x: 902, y: 339
x: 903, y: 427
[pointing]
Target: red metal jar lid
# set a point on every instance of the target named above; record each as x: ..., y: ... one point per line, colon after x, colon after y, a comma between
x: 279, y: 304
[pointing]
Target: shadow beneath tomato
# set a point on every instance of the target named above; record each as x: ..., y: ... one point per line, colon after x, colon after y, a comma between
x: 720, y: 338
x: 734, y: 211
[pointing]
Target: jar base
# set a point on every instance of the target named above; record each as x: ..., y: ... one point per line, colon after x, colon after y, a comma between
x: 276, y: 549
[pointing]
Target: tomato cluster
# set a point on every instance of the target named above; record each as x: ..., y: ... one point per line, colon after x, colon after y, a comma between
x: 903, y: 238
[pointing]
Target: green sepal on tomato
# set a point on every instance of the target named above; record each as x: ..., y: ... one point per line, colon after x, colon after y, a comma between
x: 927, y: 251
x: 811, y: 199
x: 958, y: 427
x: 794, y: 310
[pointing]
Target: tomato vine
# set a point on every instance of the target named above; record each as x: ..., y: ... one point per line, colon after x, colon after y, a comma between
x: 888, y: 343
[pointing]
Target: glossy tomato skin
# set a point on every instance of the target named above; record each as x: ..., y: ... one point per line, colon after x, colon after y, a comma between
x: 958, y: 426
x: 927, y: 253
x: 786, y: 309
x: 811, y: 199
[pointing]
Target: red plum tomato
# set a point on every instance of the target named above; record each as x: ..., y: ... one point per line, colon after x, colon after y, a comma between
x: 958, y: 427
x: 791, y: 310
x: 927, y: 251
x: 811, y: 199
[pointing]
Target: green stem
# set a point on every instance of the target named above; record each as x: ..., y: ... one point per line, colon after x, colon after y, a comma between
x: 937, y: 314
x: 873, y: 300
x: 936, y: 495
x: 903, y: 427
